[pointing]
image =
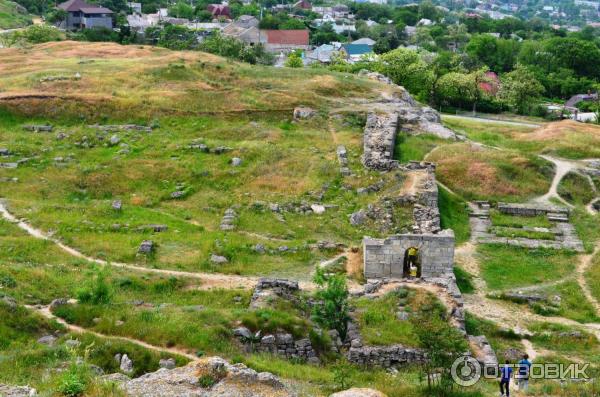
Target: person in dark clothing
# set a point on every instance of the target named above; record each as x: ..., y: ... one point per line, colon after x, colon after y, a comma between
x: 505, y: 375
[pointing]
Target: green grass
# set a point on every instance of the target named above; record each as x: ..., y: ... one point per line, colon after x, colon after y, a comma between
x: 587, y: 227
x: 24, y: 361
x: 11, y: 16
x: 513, y: 221
x: 464, y: 280
x: 454, y: 215
x: 593, y: 277
x: 576, y: 189
x: 506, y: 267
x: 415, y: 147
x: 520, y: 233
x: 378, y: 322
x: 573, y: 303
x: 549, y: 336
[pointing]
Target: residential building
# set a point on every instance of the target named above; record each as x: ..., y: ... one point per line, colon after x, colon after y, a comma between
x: 135, y: 8
x: 323, y: 53
x: 219, y: 10
x: 303, y: 4
x: 245, y: 29
x: 365, y: 40
x: 284, y: 40
x: 81, y: 15
x: 354, y: 52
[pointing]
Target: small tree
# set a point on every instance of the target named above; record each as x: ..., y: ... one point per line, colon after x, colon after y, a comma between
x: 331, y: 309
x: 294, y: 61
x: 442, y: 342
x: 520, y: 89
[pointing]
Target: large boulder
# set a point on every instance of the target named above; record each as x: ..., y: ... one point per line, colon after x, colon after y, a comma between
x: 358, y: 392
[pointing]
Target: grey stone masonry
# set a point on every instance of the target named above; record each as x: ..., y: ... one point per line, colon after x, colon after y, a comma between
x: 565, y: 236
x: 228, y: 220
x: 342, y: 155
x: 268, y: 288
x: 284, y: 345
x: 530, y: 210
x: 385, y: 356
x: 379, y: 140
x: 385, y: 257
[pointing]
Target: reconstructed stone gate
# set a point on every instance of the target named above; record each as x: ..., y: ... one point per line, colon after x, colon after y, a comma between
x: 385, y: 257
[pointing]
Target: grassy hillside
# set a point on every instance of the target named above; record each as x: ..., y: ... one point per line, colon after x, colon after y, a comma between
x: 12, y: 15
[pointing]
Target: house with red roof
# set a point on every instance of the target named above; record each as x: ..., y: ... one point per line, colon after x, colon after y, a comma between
x: 303, y: 5
x: 490, y: 83
x: 219, y: 10
x: 81, y: 15
x: 285, y: 40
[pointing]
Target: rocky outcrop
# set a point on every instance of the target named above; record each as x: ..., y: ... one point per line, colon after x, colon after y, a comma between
x: 210, y: 377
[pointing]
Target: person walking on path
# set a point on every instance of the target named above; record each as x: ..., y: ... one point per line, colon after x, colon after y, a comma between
x: 505, y: 374
x: 523, y: 374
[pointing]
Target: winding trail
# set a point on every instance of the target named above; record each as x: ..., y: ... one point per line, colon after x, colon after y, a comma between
x: 208, y: 280
x: 563, y: 167
x: 45, y: 311
x: 584, y: 264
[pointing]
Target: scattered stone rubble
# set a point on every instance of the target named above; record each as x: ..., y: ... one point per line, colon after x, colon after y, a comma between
x: 121, y: 127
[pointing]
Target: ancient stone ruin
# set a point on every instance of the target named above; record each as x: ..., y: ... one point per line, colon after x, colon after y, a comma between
x: 564, y: 235
x: 385, y: 257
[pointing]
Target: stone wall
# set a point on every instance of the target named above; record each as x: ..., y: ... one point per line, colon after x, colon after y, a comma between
x: 379, y: 140
x: 385, y: 356
x: 285, y: 346
x: 385, y: 257
x: 530, y: 210
x: 269, y: 288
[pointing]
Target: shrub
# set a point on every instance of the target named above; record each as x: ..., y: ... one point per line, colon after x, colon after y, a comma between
x: 73, y: 382
x: 99, y: 292
x: 207, y: 381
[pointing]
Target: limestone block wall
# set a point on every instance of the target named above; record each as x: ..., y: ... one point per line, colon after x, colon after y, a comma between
x: 530, y: 210
x: 379, y: 140
x: 385, y: 257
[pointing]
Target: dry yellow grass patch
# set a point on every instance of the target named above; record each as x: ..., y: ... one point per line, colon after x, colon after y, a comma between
x: 559, y: 131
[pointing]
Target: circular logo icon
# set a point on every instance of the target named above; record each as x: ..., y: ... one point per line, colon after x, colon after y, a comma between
x: 465, y: 371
